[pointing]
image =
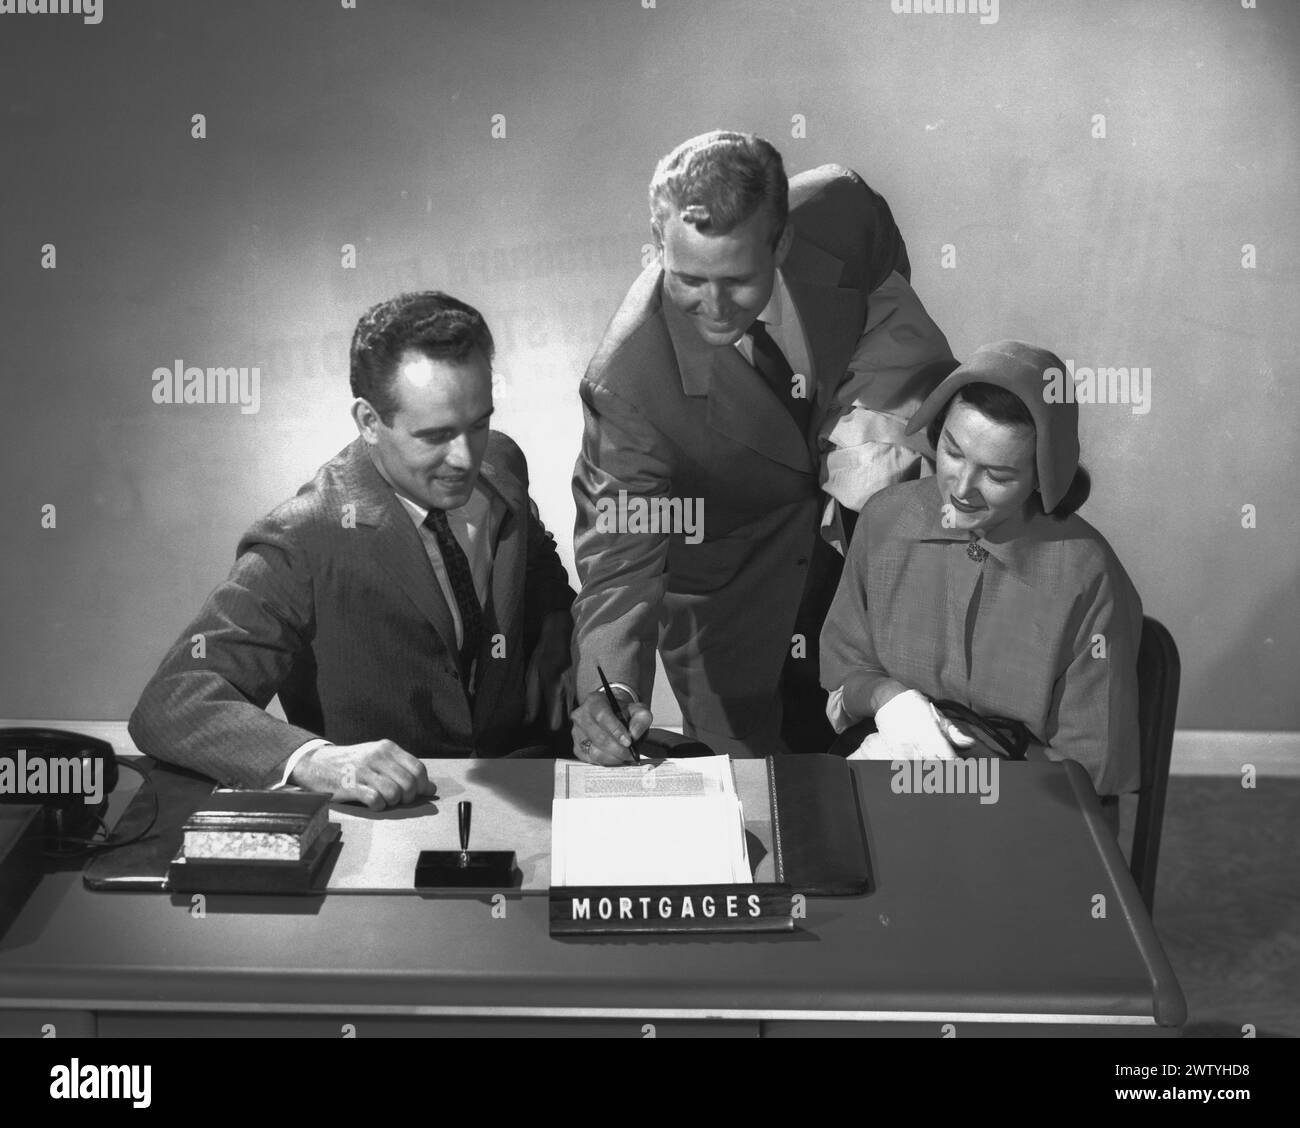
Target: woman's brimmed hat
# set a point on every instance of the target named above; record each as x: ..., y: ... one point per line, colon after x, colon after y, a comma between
x: 1029, y: 373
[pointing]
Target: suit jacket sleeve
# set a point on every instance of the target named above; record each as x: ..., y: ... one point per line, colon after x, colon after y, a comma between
x: 207, y: 712
x: 901, y: 357
x: 622, y: 574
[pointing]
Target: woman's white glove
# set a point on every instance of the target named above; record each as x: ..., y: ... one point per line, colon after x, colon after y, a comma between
x: 909, y: 727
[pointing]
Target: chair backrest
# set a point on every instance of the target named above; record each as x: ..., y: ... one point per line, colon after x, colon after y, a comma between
x: 1159, y: 672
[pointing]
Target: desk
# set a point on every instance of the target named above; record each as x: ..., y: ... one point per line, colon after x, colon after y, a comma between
x: 984, y: 920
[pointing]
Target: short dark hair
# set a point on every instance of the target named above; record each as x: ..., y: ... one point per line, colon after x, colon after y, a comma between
x: 717, y: 181
x: 429, y: 322
x: 1004, y: 406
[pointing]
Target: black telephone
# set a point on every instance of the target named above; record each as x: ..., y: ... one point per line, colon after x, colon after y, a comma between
x: 69, y: 774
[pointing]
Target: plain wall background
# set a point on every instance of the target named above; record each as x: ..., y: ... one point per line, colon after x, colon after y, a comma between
x: 328, y: 126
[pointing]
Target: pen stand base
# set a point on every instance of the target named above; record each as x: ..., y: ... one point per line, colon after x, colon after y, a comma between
x: 470, y: 869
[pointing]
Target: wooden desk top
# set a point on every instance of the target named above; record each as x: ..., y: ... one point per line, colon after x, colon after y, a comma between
x: 980, y: 910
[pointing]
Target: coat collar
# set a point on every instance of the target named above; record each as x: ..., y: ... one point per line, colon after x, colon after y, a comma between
x: 745, y: 409
x: 376, y: 502
x: 739, y: 406
x: 922, y: 520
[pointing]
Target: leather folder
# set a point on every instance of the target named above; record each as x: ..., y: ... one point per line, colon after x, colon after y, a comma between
x: 148, y: 864
x: 818, y: 829
x: 143, y: 865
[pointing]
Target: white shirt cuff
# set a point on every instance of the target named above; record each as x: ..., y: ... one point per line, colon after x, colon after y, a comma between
x: 292, y: 761
x: 853, y: 475
x: 626, y: 688
x: 835, y: 713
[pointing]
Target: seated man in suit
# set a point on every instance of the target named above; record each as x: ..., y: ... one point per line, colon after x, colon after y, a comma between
x: 407, y: 603
x: 758, y: 375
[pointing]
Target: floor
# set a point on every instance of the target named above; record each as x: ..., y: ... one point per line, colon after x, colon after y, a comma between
x: 1227, y: 904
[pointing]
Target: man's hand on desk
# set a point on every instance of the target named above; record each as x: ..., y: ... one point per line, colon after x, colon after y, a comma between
x: 599, y: 737
x: 377, y: 773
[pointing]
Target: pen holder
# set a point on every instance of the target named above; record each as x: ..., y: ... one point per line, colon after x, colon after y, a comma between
x: 465, y: 869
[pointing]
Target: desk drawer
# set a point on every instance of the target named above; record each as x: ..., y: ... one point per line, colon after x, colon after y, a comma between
x: 46, y: 1024
x: 118, y: 1024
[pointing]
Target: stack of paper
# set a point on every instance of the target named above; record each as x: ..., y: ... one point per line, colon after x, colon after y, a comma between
x: 666, y: 822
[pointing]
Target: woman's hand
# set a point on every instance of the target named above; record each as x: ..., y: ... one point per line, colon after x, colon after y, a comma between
x: 914, y: 729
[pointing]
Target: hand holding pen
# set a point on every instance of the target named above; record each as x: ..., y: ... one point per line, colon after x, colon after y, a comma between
x: 618, y: 712
x: 607, y: 725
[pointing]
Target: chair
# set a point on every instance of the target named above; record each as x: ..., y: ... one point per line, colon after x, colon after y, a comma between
x: 1159, y: 671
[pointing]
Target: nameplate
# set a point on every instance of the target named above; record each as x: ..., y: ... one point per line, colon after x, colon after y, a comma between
x: 603, y: 909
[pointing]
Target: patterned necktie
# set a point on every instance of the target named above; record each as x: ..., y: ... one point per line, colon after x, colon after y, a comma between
x: 775, y: 369
x: 462, y: 586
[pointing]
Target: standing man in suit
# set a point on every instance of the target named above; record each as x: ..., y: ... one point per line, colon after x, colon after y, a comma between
x: 407, y: 603
x: 772, y: 352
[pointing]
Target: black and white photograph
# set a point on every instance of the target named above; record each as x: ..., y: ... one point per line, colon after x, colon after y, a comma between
x: 597, y: 519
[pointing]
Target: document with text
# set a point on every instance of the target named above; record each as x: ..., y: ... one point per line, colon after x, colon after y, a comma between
x: 662, y: 822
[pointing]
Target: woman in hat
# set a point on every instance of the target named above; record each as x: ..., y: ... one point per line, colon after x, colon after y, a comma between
x: 979, y: 585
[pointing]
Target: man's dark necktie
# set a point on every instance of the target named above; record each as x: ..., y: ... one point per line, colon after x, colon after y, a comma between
x: 462, y: 586
x: 775, y: 369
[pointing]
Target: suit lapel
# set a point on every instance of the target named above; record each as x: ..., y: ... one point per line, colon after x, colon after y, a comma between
x: 740, y: 404
x: 509, y: 565
x: 508, y: 562
x: 395, y: 544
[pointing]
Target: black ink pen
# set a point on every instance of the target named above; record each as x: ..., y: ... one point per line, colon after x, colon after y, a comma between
x: 618, y: 712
